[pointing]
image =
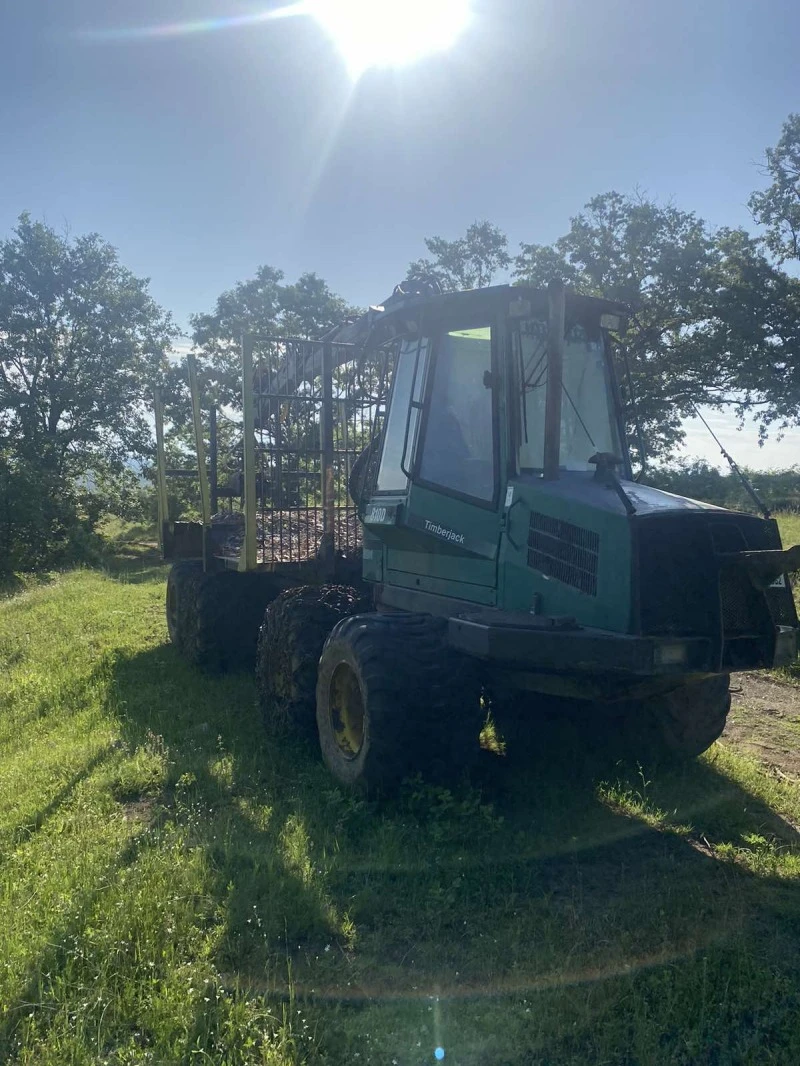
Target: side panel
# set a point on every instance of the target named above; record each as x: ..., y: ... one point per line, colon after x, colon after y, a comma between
x: 561, y: 556
x: 446, y: 539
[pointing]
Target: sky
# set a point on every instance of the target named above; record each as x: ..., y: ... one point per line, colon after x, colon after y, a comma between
x: 201, y: 155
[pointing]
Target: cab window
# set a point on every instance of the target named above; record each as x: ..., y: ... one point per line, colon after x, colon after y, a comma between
x: 409, y: 373
x: 587, y: 412
x: 458, y: 450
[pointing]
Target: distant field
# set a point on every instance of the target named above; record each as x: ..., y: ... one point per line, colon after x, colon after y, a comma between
x: 790, y: 534
x: 790, y: 528
x: 174, y: 888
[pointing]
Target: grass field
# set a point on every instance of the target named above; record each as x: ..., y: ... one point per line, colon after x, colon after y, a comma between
x: 176, y: 889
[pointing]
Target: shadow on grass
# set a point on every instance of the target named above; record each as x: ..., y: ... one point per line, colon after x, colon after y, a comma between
x: 20, y: 833
x: 20, y: 1019
x: 553, y: 884
x: 134, y: 564
x: 530, y: 880
x: 130, y: 563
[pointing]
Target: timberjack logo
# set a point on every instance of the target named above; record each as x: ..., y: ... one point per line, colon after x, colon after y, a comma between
x: 445, y: 534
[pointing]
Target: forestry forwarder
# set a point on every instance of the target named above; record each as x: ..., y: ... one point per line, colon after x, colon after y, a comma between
x: 492, y: 541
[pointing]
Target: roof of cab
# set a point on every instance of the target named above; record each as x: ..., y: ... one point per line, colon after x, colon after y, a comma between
x: 381, y: 319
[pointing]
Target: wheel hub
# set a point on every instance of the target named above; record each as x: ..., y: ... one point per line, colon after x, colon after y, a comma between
x: 346, y: 711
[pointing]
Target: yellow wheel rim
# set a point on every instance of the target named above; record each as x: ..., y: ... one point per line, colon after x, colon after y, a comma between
x: 346, y: 711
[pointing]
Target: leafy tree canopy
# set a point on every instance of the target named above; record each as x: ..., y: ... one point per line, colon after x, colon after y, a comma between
x: 714, y: 321
x: 778, y: 206
x: 262, y: 305
x: 470, y: 262
x: 81, y: 343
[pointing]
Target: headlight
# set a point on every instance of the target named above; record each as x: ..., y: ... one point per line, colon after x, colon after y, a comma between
x: 674, y: 654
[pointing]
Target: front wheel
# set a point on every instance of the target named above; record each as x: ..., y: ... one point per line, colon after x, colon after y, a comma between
x: 692, y: 717
x: 393, y: 700
x: 680, y: 724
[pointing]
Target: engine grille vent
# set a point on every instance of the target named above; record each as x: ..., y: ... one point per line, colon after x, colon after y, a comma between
x: 741, y: 603
x: 566, y: 552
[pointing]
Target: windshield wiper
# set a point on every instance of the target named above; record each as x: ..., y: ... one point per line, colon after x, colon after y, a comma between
x: 577, y: 412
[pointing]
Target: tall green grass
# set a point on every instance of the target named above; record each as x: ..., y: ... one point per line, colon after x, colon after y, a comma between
x: 177, y: 888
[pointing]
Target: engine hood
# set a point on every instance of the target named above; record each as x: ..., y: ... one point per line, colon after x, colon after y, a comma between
x: 583, y: 486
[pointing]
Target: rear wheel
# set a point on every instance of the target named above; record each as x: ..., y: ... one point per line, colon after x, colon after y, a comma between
x: 180, y: 603
x: 295, y: 627
x: 393, y: 699
x: 213, y: 618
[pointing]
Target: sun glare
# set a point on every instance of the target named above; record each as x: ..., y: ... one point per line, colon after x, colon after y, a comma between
x: 390, y: 33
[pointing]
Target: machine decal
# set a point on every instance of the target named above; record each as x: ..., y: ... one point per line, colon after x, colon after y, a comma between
x: 380, y: 515
x: 445, y: 534
x: 450, y: 536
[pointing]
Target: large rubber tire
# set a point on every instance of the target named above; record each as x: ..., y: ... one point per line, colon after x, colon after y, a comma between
x: 180, y: 603
x: 296, y: 625
x: 394, y: 700
x: 678, y: 725
x: 213, y: 618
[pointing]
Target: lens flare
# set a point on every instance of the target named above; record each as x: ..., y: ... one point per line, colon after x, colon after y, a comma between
x: 366, y: 33
x: 184, y: 29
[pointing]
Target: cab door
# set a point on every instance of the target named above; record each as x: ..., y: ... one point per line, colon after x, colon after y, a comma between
x: 451, y: 514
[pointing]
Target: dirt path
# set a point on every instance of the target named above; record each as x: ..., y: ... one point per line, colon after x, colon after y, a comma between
x: 765, y: 722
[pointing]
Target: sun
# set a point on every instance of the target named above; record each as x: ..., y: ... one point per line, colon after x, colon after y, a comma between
x: 390, y: 33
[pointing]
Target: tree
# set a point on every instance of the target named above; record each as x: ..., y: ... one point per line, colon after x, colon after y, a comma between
x: 752, y: 341
x: 81, y: 345
x: 713, y: 319
x: 470, y: 262
x: 778, y: 209
x: 262, y: 305
x: 778, y: 206
x: 81, y: 342
x: 656, y: 260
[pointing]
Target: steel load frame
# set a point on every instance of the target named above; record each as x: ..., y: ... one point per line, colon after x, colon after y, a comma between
x: 308, y: 409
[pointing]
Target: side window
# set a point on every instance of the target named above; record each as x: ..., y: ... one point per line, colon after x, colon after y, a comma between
x: 459, y: 449
x: 409, y: 372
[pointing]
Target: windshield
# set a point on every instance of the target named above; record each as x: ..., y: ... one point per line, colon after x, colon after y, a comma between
x: 587, y: 420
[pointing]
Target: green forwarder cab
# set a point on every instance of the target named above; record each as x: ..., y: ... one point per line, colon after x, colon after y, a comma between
x: 507, y: 550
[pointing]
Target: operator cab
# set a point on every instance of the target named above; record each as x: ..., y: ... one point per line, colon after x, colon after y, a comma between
x: 468, y: 420
x: 457, y: 369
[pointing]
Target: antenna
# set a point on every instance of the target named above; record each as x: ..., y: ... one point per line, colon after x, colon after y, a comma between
x: 751, y: 492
